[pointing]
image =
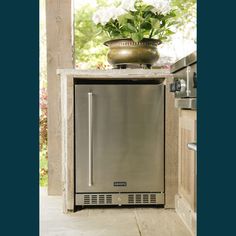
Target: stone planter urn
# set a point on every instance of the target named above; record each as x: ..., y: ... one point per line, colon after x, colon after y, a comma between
x: 125, y: 52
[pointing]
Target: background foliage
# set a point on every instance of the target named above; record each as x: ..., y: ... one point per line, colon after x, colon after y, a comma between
x: 186, y: 14
x: 43, y: 155
x: 185, y: 11
x: 88, y: 42
x: 43, y: 137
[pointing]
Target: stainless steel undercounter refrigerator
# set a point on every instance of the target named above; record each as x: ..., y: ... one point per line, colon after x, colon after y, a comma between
x: 119, y: 143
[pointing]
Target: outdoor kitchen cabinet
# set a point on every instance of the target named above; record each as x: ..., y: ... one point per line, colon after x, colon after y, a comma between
x: 72, y: 78
x: 187, y: 158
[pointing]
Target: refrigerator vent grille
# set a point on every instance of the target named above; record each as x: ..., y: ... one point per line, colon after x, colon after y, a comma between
x: 131, y: 199
x: 94, y: 199
x: 97, y: 199
x: 141, y: 198
x: 145, y: 198
x: 86, y: 199
x: 101, y: 199
x: 153, y: 198
x: 109, y: 199
x: 138, y: 199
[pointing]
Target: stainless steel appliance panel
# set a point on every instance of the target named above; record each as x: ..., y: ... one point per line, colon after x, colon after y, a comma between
x: 186, y: 78
x: 119, y: 138
x: 186, y: 103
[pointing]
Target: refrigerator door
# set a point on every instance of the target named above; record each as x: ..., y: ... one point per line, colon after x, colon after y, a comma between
x: 119, y: 138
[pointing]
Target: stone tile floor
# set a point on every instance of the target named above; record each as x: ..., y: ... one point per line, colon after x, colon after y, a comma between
x: 107, y: 222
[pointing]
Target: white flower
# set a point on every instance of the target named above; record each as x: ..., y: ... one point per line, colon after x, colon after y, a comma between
x: 104, y: 15
x: 160, y: 6
x: 118, y: 12
x: 96, y: 17
x: 128, y: 5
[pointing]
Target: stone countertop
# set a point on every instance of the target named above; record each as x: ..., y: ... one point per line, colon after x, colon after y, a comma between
x: 117, y: 74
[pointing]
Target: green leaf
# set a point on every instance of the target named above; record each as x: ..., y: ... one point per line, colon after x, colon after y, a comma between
x: 171, y: 14
x: 169, y: 32
x: 131, y: 27
x: 156, y: 32
x: 146, y: 26
x: 163, y: 38
x: 115, y: 33
x: 155, y: 23
x: 129, y: 16
x: 148, y: 8
x: 148, y: 14
x: 137, y: 37
x: 122, y: 20
x: 125, y: 34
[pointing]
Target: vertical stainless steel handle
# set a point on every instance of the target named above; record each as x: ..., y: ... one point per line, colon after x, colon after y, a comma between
x: 188, y: 78
x: 90, y: 137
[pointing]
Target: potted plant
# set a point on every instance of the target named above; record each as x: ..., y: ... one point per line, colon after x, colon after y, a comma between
x: 136, y: 28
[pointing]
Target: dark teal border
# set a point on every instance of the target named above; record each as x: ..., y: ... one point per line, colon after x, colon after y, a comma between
x: 216, y: 117
x: 19, y: 117
x: 19, y: 83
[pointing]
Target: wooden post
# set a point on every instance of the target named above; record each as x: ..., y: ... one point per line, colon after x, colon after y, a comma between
x: 171, y: 148
x: 59, y: 55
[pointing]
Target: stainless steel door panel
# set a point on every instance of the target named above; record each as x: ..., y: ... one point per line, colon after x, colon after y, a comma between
x: 127, y: 146
x: 186, y: 75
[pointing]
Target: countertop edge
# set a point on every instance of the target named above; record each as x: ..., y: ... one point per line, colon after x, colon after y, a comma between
x: 115, y: 74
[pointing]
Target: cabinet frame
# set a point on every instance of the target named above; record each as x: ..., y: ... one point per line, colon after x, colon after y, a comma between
x: 187, y: 158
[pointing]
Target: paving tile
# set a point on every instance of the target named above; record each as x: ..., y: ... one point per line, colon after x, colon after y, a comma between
x: 108, y: 221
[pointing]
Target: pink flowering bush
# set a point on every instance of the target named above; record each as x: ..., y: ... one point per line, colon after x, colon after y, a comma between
x: 43, y: 128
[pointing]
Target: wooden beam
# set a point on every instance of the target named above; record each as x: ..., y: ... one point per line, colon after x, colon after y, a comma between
x: 59, y: 55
